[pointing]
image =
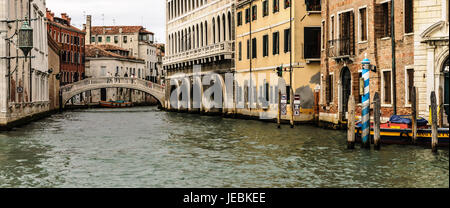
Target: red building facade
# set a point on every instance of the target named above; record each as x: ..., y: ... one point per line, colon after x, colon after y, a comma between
x: 71, y: 40
x: 350, y: 30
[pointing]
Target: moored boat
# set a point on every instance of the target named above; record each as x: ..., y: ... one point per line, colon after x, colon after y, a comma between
x: 115, y: 104
x: 400, y: 132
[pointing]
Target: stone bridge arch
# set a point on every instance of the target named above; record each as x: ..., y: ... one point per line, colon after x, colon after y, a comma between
x: 153, y: 89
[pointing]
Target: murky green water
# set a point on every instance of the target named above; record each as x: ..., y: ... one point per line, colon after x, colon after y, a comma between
x: 144, y: 147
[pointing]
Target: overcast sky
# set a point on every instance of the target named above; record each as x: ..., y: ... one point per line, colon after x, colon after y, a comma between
x: 149, y: 13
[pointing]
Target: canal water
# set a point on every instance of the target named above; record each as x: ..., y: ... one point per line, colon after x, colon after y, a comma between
x: 145, y: 147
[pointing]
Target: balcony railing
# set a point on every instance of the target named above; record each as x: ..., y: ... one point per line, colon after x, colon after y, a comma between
x: 313, y: 5
x: 341, y: 48
x: 226, y: 47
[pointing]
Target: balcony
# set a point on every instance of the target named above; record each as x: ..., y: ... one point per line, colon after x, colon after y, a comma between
x: 341, y: 48
x: 223, y: 48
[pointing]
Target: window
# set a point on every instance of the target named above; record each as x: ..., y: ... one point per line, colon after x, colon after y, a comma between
x: 239, y: 18
x: 254, y: 12
x: 384, y: 21
x: 276, y: 6
x: 323, y: 35
x: 116, y: 39
x: 93, y: 39
x: 125, y: 39
x: 265, y: 8
x: 265, y: 45
x: 287, y: 3
x: 409, y: 16
x: 254, y: 47
x: 247, y: 15
x: 99, y: 39
x: 330, y: 89
x: 240, y: 51
x: 287, y: 40
x: 276, y: 43
x: 346, y: 41
x: 332, y: 31
x: 248, y: 49
x: 363, y: 24
x: 108, y: 39
x: 387, y: 87
x: 410, y: 84
x: 103, y: 71
x: 312, y: 43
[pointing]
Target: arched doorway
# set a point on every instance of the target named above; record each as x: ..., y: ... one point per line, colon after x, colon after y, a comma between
x: 346, y: 90
x: 446, y: 74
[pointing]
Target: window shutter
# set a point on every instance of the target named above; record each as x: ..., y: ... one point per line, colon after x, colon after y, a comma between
x: 387, y: 87
x: 352, y: 33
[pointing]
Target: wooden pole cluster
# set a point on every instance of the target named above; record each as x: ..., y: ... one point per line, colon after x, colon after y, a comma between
x: 434, y: 123
x: 377, y: 121
x: 351, y: 123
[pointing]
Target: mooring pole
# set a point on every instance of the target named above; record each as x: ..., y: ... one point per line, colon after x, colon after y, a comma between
x: 366, y: 104
x: 434, y: 123
x: 351, y: 123
x: 414, y: 114
x: 377, y: 121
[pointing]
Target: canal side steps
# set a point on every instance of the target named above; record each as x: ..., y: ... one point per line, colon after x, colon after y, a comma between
x: 69, y: 91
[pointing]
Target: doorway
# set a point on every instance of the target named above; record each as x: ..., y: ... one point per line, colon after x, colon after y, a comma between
x: 346, y: 91
x: 103, y: 94
x: 446, y: 92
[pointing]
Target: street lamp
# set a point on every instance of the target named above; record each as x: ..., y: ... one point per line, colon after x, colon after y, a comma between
x: 25, y: 42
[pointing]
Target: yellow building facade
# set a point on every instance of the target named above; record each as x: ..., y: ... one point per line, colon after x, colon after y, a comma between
x: 265, y: 43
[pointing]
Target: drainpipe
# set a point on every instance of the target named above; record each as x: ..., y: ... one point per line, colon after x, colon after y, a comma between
x: 29, y: 60
x: 251, y: 57
x: 394, y: 79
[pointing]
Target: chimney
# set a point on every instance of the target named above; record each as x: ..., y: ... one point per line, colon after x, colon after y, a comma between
x: 120, y: 30
x: 84, y: 27
x: 88, y: 29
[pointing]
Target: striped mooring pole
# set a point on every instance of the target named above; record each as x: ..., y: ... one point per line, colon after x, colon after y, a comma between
x: 366, y: 104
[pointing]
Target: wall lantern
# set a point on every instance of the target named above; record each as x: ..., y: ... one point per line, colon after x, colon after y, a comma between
x: 25, y: 42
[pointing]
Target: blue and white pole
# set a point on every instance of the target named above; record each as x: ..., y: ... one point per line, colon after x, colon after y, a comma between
x: 366, y: 104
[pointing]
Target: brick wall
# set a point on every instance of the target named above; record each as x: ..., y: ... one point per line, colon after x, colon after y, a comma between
x: 378, y: 49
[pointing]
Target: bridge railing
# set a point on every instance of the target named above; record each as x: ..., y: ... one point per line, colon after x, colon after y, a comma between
x: 112, y: 80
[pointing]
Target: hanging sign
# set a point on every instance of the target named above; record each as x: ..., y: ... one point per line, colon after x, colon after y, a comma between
x: 297, y: 105
x: 283, y: 105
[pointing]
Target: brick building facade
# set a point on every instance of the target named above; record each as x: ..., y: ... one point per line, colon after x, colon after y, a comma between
x: 72, y: 44
x: 350, y: 30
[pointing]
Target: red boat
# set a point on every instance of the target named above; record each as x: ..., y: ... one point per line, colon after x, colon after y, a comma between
x: 115, y: 104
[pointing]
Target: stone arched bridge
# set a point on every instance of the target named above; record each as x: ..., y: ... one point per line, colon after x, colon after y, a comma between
x: 69, y: 91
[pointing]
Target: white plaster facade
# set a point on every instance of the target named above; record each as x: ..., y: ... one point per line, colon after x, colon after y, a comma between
x: 431, y: 27
x: 139, y: 43
x: 16, y: 103
x: 109, y: 66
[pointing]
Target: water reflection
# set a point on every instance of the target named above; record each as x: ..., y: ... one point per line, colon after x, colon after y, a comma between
x: 144, y: 147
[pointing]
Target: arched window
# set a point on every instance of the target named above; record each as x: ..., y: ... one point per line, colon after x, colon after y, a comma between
x: 218, y: 29
x: 224, y: 22
x: 197, y: 34
x: 229, y: 26
x: 214, y: 31
x: 206, y: 33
